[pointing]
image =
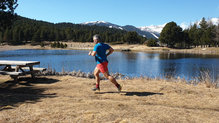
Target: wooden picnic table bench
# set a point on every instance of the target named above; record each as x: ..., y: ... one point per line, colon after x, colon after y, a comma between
x: 19, y: 68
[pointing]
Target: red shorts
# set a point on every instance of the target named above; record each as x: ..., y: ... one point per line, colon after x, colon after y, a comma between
x: 103, y: 67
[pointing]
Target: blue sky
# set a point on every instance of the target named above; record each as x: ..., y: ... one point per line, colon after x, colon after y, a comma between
x: 122, y: 12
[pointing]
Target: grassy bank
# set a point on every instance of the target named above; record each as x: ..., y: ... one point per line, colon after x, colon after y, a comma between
x: 119, y: 47
x: 70, y: 99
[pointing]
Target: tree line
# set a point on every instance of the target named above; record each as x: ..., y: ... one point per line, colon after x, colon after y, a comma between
x: 25, y: 30
x: 204, y: 34
x: 15, y: 29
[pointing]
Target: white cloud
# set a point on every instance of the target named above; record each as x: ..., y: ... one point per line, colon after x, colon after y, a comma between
x: 215, y: 21
x: 184, y: 25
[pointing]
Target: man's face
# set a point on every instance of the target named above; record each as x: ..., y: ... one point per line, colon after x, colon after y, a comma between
x: 95, y: 41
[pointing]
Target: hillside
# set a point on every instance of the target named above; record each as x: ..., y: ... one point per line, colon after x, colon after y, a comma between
x: 28, y: 30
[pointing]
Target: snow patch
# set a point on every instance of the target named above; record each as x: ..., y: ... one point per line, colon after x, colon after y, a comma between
x: 121, y: 28
x: 155, y: 35
x: 95, y: 22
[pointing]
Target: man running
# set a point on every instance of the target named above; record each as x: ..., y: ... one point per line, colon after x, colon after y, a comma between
x: 99, y: 52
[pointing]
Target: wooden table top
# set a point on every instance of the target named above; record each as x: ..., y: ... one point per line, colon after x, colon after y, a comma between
x: 9, y: 62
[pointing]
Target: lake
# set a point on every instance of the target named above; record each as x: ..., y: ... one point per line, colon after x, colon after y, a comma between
x: 134, y: 64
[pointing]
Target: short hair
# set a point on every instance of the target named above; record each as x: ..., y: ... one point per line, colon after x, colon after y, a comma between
x: 97, y: 36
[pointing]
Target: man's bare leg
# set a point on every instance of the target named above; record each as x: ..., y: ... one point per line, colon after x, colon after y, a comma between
x: 97, y: 77
x: 113, y: 80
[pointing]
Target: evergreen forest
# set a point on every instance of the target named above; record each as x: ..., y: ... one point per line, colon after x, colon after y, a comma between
x: 25, y: 30
x: 203, y: 34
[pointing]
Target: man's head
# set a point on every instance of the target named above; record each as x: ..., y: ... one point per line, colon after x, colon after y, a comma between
x: 96, y: 38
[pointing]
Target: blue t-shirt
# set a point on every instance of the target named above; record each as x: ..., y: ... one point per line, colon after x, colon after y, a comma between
x: 101, y: 49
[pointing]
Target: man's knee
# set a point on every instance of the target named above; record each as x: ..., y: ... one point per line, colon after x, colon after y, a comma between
x: 96, y: 73
x: 111, y: 78
x: 106, y: 75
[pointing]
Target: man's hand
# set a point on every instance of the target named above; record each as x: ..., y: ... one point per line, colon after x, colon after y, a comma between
x: 110, y: 51
x: 89, y: 53
x: 92, y: 53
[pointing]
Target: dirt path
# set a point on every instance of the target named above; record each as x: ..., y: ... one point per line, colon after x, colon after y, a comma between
x: 69, y: 99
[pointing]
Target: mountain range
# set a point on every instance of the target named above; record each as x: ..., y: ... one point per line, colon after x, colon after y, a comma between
x: 147, y: 31
x: 152, y: 31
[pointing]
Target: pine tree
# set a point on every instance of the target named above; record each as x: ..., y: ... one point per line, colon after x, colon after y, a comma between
x: 51, y: 36
x: 15, y: 35
x: 203, y: 24
x: 7, y: 8
x: 68, y: 33
x: 152, y: 43
x: 207, y: 31
x: 1, y: 38
x: 217, y: 36
x: 7, y: 35
x: 171, y: 34
x: 57, y: 36
x: 21, y: 35
x: 27, y: 36
x: 132, y: 37
x: 36, y: 36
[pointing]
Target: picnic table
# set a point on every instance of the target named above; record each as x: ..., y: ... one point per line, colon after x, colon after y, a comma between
x: 19, y: 68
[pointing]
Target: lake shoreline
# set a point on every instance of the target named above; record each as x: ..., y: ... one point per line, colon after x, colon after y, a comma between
x: 119, y: 47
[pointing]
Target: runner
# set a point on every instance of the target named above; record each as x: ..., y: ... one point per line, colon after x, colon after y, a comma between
x: 99, y: 52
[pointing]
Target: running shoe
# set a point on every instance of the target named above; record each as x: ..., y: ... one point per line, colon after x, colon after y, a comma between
x: 119, y: 88
x: 96, y: 89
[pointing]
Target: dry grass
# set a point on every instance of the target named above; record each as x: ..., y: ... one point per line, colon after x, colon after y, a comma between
x: 119, y: 47
x: 69, y: 99
x: 207, y: 79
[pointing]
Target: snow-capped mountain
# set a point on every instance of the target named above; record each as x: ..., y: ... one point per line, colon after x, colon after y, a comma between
x: 103, y: 23
x: 155, y: 30
x: 145, y: 33
x: 152, y: 31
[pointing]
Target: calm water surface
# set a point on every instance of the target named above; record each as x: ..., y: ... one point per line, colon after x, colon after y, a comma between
x: 186, y: 66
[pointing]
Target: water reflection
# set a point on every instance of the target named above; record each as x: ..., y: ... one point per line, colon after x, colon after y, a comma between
x: 186, y: 66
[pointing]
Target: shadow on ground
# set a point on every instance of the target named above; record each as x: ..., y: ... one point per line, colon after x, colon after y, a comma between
x: 141, y: 93
x: 14, y: 93
x: 132, y: 93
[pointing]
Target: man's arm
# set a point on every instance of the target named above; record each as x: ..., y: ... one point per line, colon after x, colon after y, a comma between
x: 92, y: 53
x: 110, y: 51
